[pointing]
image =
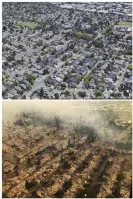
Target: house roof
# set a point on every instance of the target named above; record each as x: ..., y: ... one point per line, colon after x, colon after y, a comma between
x: 73, y: 79
x: 101, y: 84
x: 58, y: 79
x: 109, y: 79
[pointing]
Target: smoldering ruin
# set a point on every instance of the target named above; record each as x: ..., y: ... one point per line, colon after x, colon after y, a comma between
x: 49, y: 147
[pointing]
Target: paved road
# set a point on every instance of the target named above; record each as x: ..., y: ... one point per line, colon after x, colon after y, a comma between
x: 120, y: 80
x: 40, y: 83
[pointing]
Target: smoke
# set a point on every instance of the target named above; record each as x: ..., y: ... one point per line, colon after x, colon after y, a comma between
x: 71, y: 111
x: 75, y: 113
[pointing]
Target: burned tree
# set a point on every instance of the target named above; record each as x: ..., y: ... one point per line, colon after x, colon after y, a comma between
x: 30, y: 185
x: 91, y: 135
x: 65, y: 163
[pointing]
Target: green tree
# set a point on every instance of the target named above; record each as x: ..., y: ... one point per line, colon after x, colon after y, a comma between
x: 53, y: 51
x: 41, y: 94
x: 38, y: 59
x: 63, y: 85
x: 130, y: 67
x: 67, y: 93
x: 64, y: 57
x: 82, y: 94
x: 66, y: 63
x: 45, y: 71
x: 23, y: 97
x: 22, y: 59
x: 87, y: 79
x: 92, y: 54
x: 4, y: 28
x: 98, y: 93
x: 66, y: 78
x: 56, y: 95
x: 3, y: 79
x: 28, y: 87
x: 31, y: 78
x: 14, y: 53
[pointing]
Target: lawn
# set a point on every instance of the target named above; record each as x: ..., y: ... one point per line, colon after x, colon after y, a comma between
x: 28, y: 24
x: 129, y: 56
x: 125, y: 23
x: 130, y: 67
x: 107, y: 30
x: 87, y: 79
x: 82, y: 35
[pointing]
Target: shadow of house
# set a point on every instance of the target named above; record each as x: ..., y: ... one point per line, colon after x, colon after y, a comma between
x: 34, y: 195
